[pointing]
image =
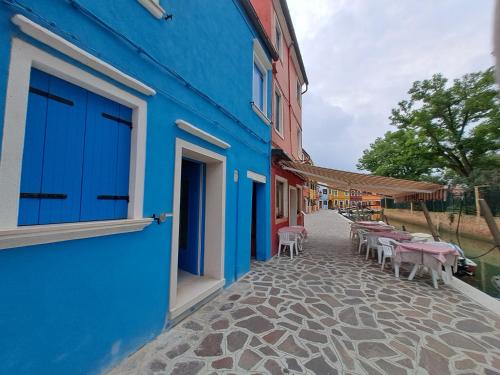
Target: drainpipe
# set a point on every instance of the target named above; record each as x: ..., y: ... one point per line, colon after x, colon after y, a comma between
x: 290, y: 99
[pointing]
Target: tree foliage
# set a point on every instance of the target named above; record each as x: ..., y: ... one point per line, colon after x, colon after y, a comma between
x: 450, y: 130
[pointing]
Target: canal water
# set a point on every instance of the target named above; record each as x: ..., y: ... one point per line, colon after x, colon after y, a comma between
x: 488, y: 266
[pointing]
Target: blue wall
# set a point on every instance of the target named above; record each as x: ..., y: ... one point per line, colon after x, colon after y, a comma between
x: 78, y: 307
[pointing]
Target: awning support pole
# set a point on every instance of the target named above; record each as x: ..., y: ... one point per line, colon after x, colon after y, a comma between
x: 429, y: 221
x: 490, y: 220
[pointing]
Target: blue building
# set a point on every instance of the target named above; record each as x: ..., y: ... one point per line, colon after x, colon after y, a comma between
x: 134, y: 171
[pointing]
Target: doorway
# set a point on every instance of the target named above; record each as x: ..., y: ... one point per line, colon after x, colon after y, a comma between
x: 253, y: 244
x: 293, y: 206
x: 197, y: 248
x: 192, y: 207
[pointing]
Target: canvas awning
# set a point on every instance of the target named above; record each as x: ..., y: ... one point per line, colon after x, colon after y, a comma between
x: 387, y: 186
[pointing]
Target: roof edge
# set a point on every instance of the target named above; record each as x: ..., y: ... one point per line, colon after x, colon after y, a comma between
x: 254, y: 18
x: 291, y: 29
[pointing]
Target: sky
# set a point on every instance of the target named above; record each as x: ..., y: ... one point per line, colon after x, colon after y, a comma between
x: 362, y: 56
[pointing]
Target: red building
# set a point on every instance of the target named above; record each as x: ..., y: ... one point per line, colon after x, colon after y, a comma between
x: 289, y: 83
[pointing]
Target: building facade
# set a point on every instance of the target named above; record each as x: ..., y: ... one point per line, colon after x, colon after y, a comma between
x: 119, y: 141
x: 289, y: 83
x: 372, y: 201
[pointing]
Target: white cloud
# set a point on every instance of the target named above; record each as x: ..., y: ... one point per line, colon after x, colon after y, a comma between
x: 362, y: 56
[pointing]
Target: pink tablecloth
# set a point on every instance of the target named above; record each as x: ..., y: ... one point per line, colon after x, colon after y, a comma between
x: 294, y: 229
x: 375, y: 228
x: 367, y: 222
x: 398, y: 236
x: 437, y: 251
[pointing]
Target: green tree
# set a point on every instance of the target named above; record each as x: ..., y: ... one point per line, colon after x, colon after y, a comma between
x: 448, y: 129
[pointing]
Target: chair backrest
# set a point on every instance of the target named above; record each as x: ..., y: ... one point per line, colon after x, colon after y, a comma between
x: 372, y: 240
x: 362, y: 233
x: 287, y: 236
x: 387, y: 249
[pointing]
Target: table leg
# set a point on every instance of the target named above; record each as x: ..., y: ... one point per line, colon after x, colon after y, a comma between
x: 449, y: 274
x: 396, y: 269
x: 434, y: 278
x: 413, y: 272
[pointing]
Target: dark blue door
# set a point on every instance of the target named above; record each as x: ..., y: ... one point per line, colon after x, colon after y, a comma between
x: 191, y: 213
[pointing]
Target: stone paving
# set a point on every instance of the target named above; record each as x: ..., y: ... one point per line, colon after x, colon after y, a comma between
x: 327, y: 312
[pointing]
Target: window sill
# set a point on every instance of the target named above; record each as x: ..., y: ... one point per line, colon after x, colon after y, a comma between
x: 278, y: 132
x: 153, y: 8
x: 42, y: 234
x: 261, y: 114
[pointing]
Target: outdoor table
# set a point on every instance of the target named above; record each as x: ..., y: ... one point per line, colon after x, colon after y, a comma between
x: 375, y: 228
x: 431, y: 255
x: 397, y: 236
x: 297, y: 229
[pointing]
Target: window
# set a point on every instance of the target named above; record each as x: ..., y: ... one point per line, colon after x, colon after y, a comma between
x: 325, y: 191
x: 278, y: 38
x: 260, y: 76
x: 335, y: 192
x: 76, y: 157
x: 278, y: 112
x: 258, y: 87
x: 280, y: 200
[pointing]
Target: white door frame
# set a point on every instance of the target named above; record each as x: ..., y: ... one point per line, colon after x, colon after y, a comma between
x: 215, y: 209
x: 292, y: 203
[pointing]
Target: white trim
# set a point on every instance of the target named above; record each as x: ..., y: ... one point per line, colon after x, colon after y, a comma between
x: 279, y: 48
x: 292, y: 213
x: 153, y: 7
x: 41, y: 234
x: 23, y: 57
x: 215, y: 209
x: 62, y: 45
x: 285, y: 198
x: 261, y: 55
x: 197, y: 132
x: 256, y: 177
x: 210, y: 287
x: 262, y: 61
x: 260, y: 114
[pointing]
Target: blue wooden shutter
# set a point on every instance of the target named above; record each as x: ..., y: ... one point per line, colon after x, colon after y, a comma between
x: 107, y: 160
x: 63, y: 153
x: 34, y: 139
x: 53, y: 151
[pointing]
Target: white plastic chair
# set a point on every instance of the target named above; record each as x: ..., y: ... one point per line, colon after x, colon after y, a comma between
x: 371, y: 244
x: 362, y: 238
x: 288, y: 239
x: 386, y: 251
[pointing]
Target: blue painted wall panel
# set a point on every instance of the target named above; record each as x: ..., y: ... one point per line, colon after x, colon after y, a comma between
x: 78, y: 307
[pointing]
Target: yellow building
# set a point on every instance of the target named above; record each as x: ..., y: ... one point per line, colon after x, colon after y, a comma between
x: 338, y: 198
x: 371, y: 201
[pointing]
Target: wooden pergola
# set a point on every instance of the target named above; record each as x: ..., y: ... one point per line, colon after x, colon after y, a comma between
x: 387, y: 186
x: 397, y: 188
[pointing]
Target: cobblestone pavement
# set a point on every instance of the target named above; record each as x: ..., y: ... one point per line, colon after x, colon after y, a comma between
x: 327, y: 312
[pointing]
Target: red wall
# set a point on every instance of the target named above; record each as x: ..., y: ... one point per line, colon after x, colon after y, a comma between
x: 293, y: 180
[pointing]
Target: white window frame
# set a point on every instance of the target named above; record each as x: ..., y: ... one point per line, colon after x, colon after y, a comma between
x: 23, y: 58
x: 278, y: 109
x: 262, y: 61
x: 278, y: 45
x: 153, y: 7
x: 285, y: 198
